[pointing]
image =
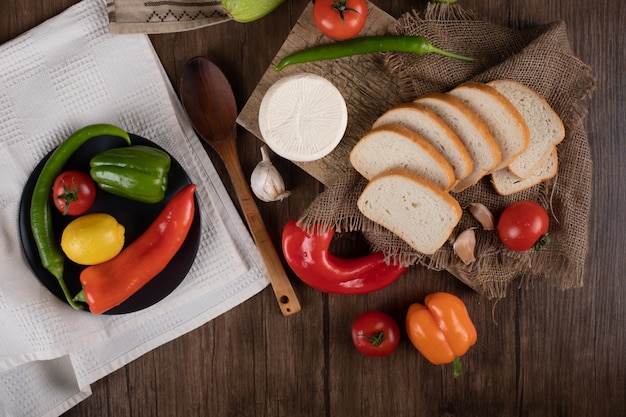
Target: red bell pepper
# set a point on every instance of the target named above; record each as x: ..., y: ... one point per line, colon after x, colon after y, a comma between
x: 108, y: 284
x: 309, y: 258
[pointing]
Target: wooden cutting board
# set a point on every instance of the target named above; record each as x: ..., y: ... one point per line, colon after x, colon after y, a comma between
x: 367, y: 89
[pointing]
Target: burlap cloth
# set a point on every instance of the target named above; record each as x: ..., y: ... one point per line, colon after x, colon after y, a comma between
x: 540, y: 58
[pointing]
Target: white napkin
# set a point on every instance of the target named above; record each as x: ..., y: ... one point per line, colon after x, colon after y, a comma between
x: 58, y: 77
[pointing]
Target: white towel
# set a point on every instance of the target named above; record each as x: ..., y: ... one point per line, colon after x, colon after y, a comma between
x: 56, y: 78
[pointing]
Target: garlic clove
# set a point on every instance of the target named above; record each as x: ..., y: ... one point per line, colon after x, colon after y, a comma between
x: 483, y: 215
x: 266, y: 182
x: 464, y: 246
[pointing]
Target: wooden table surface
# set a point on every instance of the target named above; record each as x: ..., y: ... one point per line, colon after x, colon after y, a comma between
x: 541, y: 351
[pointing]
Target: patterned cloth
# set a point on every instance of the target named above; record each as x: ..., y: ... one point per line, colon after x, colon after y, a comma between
x: 139, y: 16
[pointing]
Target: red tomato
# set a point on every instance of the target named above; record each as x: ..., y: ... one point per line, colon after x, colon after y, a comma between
x: 73, y: 192
x: 375, y: 334
x: 340, y: 19
x: 522, y: 224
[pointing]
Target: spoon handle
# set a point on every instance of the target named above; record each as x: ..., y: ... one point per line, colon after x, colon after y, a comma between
x: 287, y: 299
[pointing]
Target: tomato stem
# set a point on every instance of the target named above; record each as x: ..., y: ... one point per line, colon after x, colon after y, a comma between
x: 68, y: 195
x: 340, y: 6
x: 542, y: 243
x: 377, y: 339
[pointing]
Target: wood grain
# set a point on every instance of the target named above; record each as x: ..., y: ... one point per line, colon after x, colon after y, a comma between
x: 541, y: 352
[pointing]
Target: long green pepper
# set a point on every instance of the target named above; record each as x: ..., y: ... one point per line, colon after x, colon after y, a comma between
x: 50, y: 251
x: 366, y: 45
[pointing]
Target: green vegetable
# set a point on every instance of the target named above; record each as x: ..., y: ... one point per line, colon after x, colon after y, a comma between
x: 50, y: 252
x: 138, y: 172
x: 244, y: 11
x: 365, y: 45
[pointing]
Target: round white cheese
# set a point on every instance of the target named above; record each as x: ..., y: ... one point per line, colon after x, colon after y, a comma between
x: 303, y: 117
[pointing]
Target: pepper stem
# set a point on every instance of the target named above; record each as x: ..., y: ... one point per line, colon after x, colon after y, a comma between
x: 80, y: 296
x: 457, y: 367
x: 433, y: 48
x: 66, y: 292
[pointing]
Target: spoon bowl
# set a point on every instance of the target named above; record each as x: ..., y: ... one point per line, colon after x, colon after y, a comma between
x: 208, y: 99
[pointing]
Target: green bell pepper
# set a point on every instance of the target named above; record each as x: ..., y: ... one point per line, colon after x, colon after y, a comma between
x: 138, y: 172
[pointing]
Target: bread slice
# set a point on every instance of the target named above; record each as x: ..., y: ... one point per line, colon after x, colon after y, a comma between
x: 431, y: 127
x: 415, y: 209
x: 546, y: 128
x: 506, y: 183
x: 395, y: 146
x: 472, y: 131
x: 505, y: 123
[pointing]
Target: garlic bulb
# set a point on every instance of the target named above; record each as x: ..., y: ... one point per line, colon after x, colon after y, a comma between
x: 464, y: 246
x: 266, y: 182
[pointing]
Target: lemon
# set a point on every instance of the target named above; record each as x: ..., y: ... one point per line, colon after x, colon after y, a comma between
x: 92, y: 239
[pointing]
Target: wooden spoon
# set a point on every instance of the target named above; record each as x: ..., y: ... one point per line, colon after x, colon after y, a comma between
x: 210, y: 104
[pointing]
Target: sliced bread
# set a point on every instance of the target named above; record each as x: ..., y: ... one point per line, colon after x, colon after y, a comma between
x: 415, y: 209
x: 431, y: 127
x: 504, y: 121
x: 402, y: 148
x: 472, y: 131
x: 506, y: 183
x: 546, y: 128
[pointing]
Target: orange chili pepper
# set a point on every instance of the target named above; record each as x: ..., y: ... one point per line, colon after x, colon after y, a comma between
x: 441, y: 329
x: 108, y: 284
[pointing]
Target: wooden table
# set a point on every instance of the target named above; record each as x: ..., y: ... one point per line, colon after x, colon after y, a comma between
x: 541, y: 351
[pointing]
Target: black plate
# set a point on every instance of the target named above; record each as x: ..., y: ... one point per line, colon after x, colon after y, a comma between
x: 133, y: 215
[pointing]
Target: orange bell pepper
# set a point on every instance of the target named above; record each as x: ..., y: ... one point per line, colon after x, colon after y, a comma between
x: 441, y: 329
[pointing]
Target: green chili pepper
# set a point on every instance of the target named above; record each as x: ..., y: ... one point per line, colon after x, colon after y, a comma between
x: 366, y: 45
x: 138, y: 173
x: 50, y: 252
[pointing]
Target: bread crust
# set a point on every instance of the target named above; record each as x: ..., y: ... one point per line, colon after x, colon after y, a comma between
x: 511, y: 110
x: 480, y: 126
x: 467, y: 164
x: 415, y: 138
x: 507, y: 183
x: 430, y: 187
x: 554, y: 116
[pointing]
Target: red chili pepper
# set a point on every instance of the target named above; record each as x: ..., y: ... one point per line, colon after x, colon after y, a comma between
x: 108, y: 284
x: 308, y: 256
